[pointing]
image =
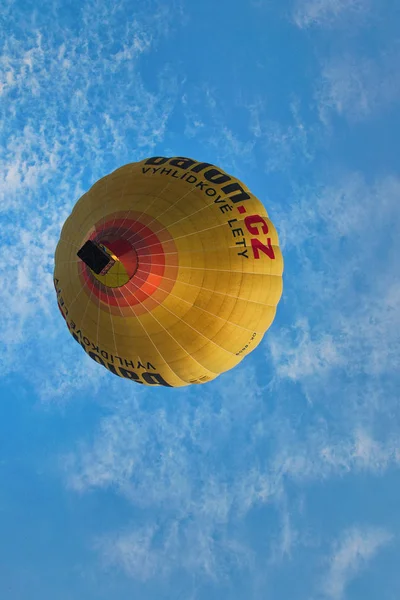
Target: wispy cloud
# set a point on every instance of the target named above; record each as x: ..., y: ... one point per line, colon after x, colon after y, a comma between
x: 327, y: 453
x: 283, y: 145
x: 202, y: 470
x: 357, y: 88
x: 352, y: 282
x: 325, y: 13
x: 215, y: 129
x: 169, y: 462
x: 157, y: 550
x: 282, y: 548
x: 351, y: 554
x: 298, y: 356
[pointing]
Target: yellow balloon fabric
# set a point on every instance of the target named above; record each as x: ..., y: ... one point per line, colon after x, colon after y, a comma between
x: 193, y: 274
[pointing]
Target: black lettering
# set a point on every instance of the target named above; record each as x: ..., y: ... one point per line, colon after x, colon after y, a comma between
x: 212, y: 192
x: 156, y: 160
x: 239, y: 231
x: 244, y: 253
x: 192, y: 177
x: 182, y: 162
x: 95, y: 348
x: 201, y: 185
x: 96, y: 358
x: 219, y: 200
x: 155, y: 379
x: 231, y: 221
x: 86, y: 340
x: 76, y: 338
x: 129, y: 363
x: 225, y: 207
x: 120, y: 359
x: 200, y: 167
x: 235, y: 187
x: 140, y: 366
x: 144, y: 170
x: 216, y: 177
x: 112, y: 369
x: 130, y: 375
x: 165, y: 171
x: 174, y: 174
x: 150, y: 366
x: 104, y: 354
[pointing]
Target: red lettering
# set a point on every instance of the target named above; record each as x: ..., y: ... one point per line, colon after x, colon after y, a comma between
x: 251, y: 220
x: 268, y: 250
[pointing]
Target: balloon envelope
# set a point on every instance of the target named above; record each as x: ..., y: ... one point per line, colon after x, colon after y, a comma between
x: 168, y: 271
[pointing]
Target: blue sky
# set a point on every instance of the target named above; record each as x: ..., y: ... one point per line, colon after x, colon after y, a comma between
x: 280, y: 479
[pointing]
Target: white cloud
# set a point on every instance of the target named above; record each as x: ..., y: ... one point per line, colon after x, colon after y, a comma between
x: 326, y: 453
x: 193, y: 122
x: 304, y: 357
x: 149, y: 457
x: 202, y: 467
x: 133, y: 552
x: 341, y: 351
x: 288, y: 537
x: 169, y: 462
x: 283, y: 145
x: 351, y: 554
x: 348, y: 282
x: 324, y: 13
x: 157, y: 550
x: 231, y: 150
x: 199, y: 485
x: 358, y: 88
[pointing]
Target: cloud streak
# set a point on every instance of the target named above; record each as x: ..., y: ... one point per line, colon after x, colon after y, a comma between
x: 201, y: 472
x: 358, y: 88
x: 351, y: 269
x: 326, y: 13
x: 351, y: 554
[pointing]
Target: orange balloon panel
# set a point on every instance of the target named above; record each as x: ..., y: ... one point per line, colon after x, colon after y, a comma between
x: 168, y: 271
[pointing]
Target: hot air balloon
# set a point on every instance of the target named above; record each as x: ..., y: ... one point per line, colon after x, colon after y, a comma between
x: 168, y: 271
